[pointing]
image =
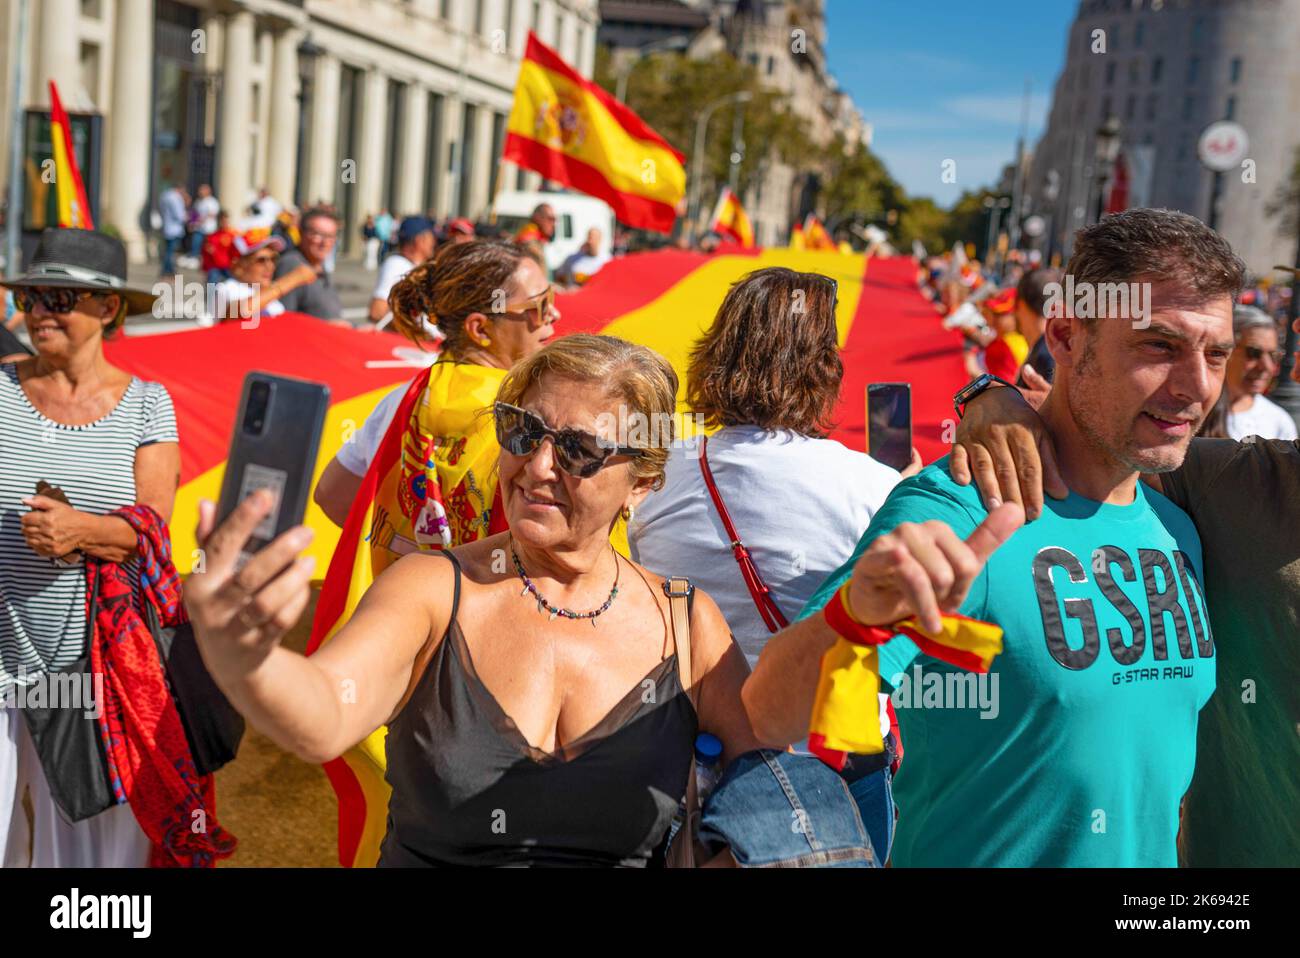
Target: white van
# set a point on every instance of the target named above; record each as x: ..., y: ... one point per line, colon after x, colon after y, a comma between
x: 575, y: 213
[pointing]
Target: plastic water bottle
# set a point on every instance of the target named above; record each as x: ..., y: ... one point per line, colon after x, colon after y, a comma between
x: 708, y: 762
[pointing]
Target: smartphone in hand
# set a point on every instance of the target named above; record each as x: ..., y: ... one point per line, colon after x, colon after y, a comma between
x: 889, y: 423
x: 274, y: 445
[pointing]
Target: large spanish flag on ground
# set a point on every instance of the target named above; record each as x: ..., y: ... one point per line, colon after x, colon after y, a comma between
x: 665, y: 300
x: 731, y: 220
x: 570, y: 130
x: 74, y: 209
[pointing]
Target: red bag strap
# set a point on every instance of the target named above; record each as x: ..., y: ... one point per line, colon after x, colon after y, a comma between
x: 773, y: 618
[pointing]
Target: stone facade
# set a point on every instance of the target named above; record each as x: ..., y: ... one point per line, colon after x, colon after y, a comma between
x: 1169, y: 70
x: 364, y: 103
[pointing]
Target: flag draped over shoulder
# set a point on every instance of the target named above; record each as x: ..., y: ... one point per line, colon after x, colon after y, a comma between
x: 731, y: 220
x: 74, y: 210
x: 570, y: 130
x: 431, y: 485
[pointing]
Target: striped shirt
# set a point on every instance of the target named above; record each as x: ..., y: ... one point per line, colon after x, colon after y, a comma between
x: 43, y: 605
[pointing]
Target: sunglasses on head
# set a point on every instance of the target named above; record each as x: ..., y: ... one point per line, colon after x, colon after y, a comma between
x: 577, y: 452
x: 540, y: 304
x: 1256, y: 353
x: 56, y: 299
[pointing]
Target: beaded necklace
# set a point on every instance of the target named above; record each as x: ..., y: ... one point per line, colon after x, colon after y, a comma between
x: 543, y: 605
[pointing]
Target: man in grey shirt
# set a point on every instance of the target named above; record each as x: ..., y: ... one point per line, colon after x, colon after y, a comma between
x: 320, y: 231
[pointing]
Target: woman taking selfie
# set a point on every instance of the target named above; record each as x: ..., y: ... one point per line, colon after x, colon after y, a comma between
x: 530, y: 680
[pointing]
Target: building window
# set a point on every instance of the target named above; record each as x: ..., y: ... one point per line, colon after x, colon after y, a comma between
x: 1138, y: 34
x: 444, y: 9
x: 479, y: 7
x: 1235, y: 70
x: 510, y: 22
x: 1105, y: 107
x: 1230, y: 109
x: 1189, y: 104
x: 1157, y: 68
x: 1110, y: 73
x: 1193, y: 69
x: 1130, y: 107
x: 92, y: 9
x: 1153, y: 104
x: 89, y: 72
x: 1114, y: 37
x: 537, y: 17
x: 771, y: 65
x: 1198, y: 29
x: 1134, y: 66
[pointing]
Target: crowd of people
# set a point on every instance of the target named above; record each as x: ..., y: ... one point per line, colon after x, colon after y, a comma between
x: 1103, y: 602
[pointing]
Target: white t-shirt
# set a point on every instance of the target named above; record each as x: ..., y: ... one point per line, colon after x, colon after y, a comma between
x: 1264, y: 418
x: 392, y: 269
x: 355, y: 454
x: 799, y: 505
x: 231, y: 290
x: 207, y: 209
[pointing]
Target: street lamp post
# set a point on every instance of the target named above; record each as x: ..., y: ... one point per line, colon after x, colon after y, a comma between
x: 697, y: 163
x: 14, y: 214
x: 655, y: 46
x: 1108, y: 143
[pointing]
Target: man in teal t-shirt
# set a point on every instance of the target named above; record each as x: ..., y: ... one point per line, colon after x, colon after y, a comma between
x: 1078, y: 745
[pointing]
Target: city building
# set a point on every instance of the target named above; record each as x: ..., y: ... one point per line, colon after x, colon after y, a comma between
x: 784, y: 40
x: 367, y: 104
x: 1154, y: 74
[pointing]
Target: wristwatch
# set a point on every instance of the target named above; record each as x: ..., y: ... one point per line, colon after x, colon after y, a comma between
x: 974, y: 388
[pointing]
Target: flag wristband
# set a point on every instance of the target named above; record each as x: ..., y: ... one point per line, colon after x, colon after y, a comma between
x: 839, y: 616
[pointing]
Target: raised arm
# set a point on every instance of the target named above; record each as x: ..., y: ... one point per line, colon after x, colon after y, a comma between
x: 314, y: 707
x: 1004, y: 445
x: 920, y: 570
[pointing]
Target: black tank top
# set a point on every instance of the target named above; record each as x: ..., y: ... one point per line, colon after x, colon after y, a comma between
x: 468, y: 789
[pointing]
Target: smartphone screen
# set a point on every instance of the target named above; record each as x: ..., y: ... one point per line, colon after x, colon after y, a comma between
x: 274, y: 445
x: 889, y: 423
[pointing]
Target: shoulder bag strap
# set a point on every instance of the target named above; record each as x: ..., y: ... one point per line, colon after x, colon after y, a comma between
x: 681, y: 854
x: 773, y: 618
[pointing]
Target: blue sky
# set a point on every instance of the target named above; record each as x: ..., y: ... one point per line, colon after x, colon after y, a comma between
x: 941, y: 79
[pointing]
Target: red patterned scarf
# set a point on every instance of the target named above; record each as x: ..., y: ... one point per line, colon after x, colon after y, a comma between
x: 149, y: 761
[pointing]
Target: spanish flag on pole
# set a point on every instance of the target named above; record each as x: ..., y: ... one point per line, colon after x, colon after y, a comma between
x: 815, y: 235
x: 74, y: 210
x: 570, y: 130
x: 730, y: 219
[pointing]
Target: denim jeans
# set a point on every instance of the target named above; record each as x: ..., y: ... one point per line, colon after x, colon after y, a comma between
x: 786, y: 810
x: 170, y: 246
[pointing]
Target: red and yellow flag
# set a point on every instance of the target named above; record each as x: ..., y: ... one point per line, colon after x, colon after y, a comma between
x: 74, y: 210
x: 730, y: 219
x: 815, y: 235
x: 845, y: 715
x: 570, y: 130
x: 431, y: 485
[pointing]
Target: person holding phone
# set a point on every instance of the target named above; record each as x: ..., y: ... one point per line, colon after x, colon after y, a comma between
x: 768, y: 372
x: 529, y: 679
x: 95, y: 439
x: 1080, y: 741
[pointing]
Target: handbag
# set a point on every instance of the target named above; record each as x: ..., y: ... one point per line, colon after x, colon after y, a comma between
x: 68, y: 740
x: 681, y: 853
x: 759, y: 591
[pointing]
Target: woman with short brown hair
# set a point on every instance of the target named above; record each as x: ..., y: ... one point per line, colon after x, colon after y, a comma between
x: 767, y: 372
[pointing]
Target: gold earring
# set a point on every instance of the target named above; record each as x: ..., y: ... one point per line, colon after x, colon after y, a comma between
x: 626, y: 513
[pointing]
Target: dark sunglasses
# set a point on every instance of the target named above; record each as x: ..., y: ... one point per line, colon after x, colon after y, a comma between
x: 56, y: 299
x: 1255, y: 353
x: 578, y: 453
